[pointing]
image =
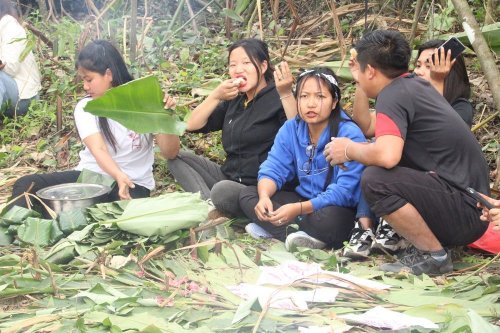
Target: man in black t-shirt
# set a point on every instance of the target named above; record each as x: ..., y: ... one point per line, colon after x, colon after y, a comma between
x: 423, y: 158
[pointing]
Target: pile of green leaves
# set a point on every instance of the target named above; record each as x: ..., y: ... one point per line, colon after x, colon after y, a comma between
x: 29, y: 228
x: 170, y: 291
x: 124, y: 267
x: 159, y: 219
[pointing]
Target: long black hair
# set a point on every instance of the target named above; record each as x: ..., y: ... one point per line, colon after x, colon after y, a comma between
x: 7, y: 8
x: 456, y: 83
x: 258, y: 52
x: 99, y: 56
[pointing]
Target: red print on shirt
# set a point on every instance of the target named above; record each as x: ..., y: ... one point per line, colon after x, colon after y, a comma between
x: 136, y: 140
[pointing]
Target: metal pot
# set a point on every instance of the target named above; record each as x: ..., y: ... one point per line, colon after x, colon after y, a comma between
x: 70, y: 196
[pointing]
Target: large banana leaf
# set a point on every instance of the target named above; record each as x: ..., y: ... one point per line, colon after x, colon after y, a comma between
x: 340, y: 68
x: 137, y: 105
x: 162, y: 215
x: 91, y: 177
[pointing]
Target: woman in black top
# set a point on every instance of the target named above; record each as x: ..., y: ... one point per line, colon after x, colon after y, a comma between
x: 448, y: 77
x: 248, y: 110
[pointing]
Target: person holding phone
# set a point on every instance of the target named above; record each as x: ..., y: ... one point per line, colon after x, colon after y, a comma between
x: 447, y: 74
x: 19, y: 75
x: 442, y: 64
x: 490, y: 240
x: 491, y: 214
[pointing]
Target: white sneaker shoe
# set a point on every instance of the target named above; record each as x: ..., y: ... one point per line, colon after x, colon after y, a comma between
x: 386, y: 239
x: 257, y: 232
x: 301, y: 239
x: 360, y: 244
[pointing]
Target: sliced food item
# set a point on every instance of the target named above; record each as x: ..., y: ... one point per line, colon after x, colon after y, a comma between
x: 238, y: 81
x: 353, y: 53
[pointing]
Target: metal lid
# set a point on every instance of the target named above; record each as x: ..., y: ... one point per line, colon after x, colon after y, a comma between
x: 73, y: 191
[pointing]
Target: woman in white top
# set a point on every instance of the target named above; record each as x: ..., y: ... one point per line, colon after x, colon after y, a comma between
x: 110, y: 148
x: 19, y: 74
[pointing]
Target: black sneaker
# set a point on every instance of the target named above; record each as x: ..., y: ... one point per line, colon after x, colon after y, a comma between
x: 387, y: 240
x: 419, y: 262
x: 360, y: 244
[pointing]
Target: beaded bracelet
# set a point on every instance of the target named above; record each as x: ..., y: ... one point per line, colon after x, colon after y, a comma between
x: 282, y: 98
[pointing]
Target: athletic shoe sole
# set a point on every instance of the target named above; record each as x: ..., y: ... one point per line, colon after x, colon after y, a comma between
x: 301, y: 239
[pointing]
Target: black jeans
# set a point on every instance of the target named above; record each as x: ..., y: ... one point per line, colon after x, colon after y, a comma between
x: 41, y: 181
x: 331, y: 224
x: 450, y: 213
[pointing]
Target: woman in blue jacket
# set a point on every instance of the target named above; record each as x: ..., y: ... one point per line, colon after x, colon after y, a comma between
x: 324, y: 203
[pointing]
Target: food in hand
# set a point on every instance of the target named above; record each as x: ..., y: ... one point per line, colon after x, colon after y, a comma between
x: 353, y: 53
x: 238, y: 81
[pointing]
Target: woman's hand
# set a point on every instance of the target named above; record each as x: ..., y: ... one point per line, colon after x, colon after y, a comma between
x: 440, y: 65
x: 264, y: 208
x: 169, y: 101
x: 283, y: 79
x: 97, y: 146
x: 227, y: 90
x: 124, y: 183
x: 285, y: 214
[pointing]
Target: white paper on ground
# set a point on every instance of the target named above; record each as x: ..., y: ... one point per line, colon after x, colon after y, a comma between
x: 381, y: 317
x: 291, y: 271
x: 285, y: 299
x: 272, y: 291
x: 324, y: 329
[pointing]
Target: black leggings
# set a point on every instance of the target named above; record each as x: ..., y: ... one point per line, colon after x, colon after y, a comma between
x: 331, y: 224
x: 41, y: 181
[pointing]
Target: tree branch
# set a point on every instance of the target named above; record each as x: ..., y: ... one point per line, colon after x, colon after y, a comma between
x: 481, y: 48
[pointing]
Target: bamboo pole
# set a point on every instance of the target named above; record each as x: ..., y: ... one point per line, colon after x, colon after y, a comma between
x: 481, y: 48
x: 195, y: 15
x: 133, y: 30
x: 191, y: 15
x: 418, y: 9
x: 176, y: 15
x: 259, y: 12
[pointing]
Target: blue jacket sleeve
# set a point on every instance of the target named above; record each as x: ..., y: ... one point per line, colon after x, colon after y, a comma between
x: 344, y: 189
x: 280, y: 163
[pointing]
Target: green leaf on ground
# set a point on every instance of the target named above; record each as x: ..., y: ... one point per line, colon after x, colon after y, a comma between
x: 39, y: 232
x: 162, y: 215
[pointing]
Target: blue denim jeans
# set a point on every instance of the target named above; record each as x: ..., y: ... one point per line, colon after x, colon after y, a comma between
x: 364, y: 209
x: 9, y: 94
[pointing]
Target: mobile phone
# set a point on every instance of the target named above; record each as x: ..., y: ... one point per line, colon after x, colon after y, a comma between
x: 473, y: 193
x: 452, y: 44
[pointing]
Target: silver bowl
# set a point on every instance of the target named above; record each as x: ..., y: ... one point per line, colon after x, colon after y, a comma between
x: 70, y: 196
